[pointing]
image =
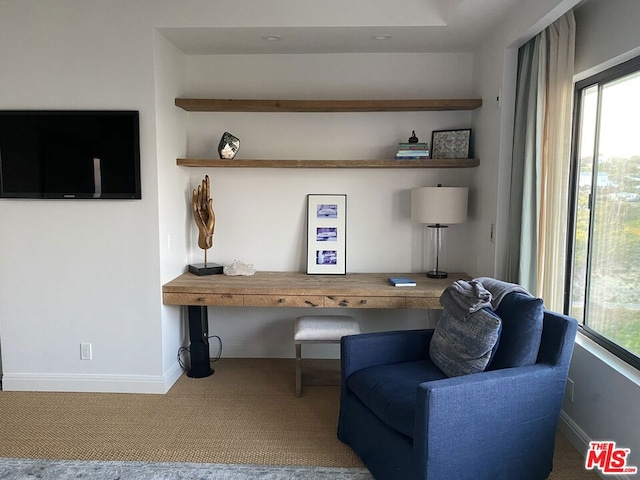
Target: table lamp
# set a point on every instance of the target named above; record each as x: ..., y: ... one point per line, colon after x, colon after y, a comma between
x: 439, y: 207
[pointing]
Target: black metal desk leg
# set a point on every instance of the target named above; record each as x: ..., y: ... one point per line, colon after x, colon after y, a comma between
x: 199, y: 338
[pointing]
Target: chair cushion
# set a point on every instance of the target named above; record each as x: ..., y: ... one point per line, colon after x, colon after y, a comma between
x: 464, y: 345
x: 522, y: 319
x: 389, y: 391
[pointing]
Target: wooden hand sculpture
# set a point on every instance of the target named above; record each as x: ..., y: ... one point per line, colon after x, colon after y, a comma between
x: 202, y: 205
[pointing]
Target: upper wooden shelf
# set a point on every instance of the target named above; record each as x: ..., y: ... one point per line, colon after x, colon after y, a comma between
x: 426, y: 163
x: 242, y: 105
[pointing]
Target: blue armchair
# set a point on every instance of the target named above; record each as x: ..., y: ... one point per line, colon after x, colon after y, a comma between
x: 407, y: 420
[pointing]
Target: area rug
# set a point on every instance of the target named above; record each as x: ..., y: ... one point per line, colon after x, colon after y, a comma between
x: 27, y: 469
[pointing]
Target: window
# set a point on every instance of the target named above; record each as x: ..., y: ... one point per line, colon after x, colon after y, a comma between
x: 603, y: 290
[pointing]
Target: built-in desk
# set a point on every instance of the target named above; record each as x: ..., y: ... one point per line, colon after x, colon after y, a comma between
x: 292, y: 289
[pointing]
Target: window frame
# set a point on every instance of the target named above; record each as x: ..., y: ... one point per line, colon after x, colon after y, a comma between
x: 600, y: 79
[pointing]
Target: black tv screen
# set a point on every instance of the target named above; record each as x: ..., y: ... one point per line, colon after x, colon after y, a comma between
x: 69, y: 154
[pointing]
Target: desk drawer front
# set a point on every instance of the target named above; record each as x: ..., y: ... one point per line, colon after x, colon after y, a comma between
x: 424, y: 302
x: 282, y: 301
x: 220, y: 300
x: 364, y: 302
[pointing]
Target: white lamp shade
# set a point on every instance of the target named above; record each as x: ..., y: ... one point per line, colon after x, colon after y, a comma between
x: 443, y: 205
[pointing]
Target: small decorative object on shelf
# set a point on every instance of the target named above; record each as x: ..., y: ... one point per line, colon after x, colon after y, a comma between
x: 239, y: 268
x: 228, y: 146
x: 451, y: 143
x: 412, y: 149
x: 202, y: 206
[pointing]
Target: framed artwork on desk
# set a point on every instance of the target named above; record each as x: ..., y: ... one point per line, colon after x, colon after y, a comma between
x: 326, y: 234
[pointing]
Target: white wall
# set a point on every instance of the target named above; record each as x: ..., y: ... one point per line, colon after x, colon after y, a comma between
x: 74, y: 272
x: 605, y: 401
x: 80, y: 271
x: 605, y: 404
x: 261, y: 213
x: 606, y: 34
x: 173, y: 185
x: 606, y: 391
x: 495, y: 78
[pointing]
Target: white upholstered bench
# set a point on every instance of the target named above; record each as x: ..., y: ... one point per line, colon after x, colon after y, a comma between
x: 320, y: 329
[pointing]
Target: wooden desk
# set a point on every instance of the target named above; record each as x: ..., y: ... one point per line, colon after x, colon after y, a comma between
x: 292, y: 289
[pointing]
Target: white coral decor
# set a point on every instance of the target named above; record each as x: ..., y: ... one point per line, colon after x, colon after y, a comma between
x: 239, y: 268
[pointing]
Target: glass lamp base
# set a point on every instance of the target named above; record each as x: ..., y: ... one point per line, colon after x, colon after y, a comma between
x: 437, y: 274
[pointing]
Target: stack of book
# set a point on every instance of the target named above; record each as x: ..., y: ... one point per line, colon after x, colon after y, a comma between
x: 407, y: 151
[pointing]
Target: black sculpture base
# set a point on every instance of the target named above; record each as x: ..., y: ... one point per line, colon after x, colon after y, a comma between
x: 206, y: 268
x: 199, y: 342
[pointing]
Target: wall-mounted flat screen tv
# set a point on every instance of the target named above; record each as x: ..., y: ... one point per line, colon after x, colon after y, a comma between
x: 69, y: 154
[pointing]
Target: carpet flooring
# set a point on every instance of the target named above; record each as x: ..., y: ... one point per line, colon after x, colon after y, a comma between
x: 244, y: 414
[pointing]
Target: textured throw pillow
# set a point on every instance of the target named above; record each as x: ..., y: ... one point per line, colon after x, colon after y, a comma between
x: 522, y: 317
x: 464, y: 346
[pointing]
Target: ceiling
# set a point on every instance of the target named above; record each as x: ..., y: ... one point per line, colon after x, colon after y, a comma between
x: 308, y: 27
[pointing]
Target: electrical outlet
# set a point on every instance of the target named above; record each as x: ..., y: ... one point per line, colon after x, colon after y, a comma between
x: 568, y: 391
x: 85, y: 351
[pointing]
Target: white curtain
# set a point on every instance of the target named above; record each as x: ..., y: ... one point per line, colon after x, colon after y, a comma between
x: 541, y: 158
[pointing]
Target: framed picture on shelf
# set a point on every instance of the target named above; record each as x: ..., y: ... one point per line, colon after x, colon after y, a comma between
x: 326, y: 234
x: 451, y: 143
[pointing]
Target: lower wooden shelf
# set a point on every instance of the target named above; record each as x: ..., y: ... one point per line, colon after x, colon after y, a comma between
x: 255, y: 163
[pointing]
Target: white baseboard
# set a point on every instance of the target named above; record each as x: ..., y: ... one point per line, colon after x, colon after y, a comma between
x: 47, y: 382
x: 576, y: 436
x: 580, y: 440
x: 172, y: 375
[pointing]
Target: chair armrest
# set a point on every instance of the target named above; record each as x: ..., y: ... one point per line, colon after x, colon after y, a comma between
x: 381, y: 348
x: 510, y: 414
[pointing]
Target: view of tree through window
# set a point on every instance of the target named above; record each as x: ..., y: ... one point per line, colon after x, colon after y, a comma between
x: 606, y: 252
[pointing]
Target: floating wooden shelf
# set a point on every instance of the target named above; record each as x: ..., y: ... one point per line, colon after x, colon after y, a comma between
x: 244, y: 105
x: 237, y: 163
